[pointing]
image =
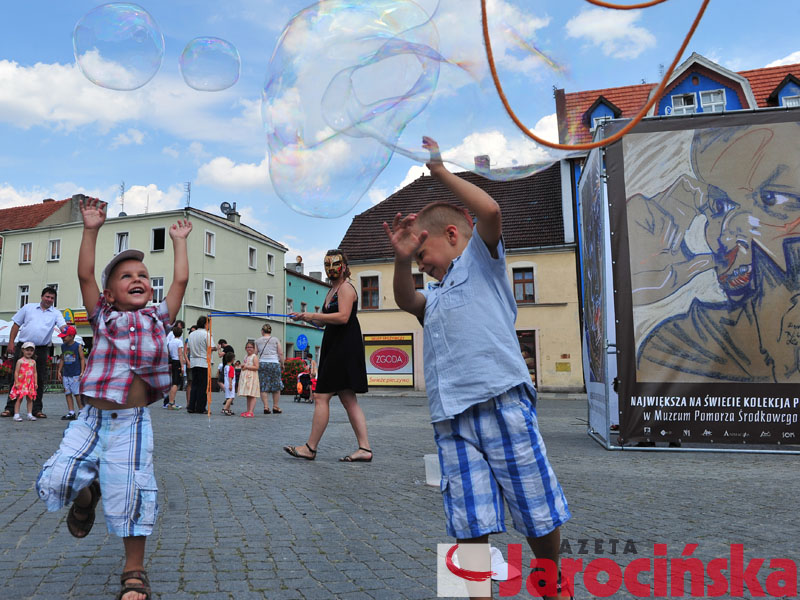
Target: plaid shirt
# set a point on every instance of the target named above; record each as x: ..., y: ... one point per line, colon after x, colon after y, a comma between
x: 126, y: 344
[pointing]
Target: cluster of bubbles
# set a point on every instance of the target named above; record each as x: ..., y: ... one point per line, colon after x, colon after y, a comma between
x: 120, y: 46
x: 352, y: 82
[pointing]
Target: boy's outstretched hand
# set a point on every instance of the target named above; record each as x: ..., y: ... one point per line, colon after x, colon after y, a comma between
x: 404, y: 237
x: 93, y: 212
x: 181, y: 229
x: 435, y: 163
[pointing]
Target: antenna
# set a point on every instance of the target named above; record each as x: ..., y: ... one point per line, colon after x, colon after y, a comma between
x: 187, y: 187
x: 122, y: 197
x: 147, y: 204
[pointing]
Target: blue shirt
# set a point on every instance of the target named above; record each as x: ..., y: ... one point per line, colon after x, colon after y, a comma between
x: 471, y: 348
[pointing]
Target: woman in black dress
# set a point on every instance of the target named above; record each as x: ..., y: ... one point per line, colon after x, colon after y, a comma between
x: 342, y: 366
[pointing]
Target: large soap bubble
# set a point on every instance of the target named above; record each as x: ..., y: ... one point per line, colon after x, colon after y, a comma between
x: 210, y: 64
x: 118, y: 46
x: 351, y: 82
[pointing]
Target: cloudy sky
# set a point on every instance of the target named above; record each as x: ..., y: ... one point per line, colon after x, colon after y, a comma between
x: 62, y: 134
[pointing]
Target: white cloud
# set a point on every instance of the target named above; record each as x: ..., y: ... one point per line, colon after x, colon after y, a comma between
x: 149, y: 198
x: 222, y: 173
x: 171, y: 151
x: 376, y: 195
x: 791, y: 59
x: 132, y: 136
x: 614, y: 31
x: 9, y: 196
x: 59, y: 96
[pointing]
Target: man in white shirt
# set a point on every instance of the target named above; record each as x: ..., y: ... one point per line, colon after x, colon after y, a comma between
x: 35, y: 322
x: 198, y: 344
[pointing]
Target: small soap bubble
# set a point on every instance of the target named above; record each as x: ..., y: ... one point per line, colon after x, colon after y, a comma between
x: 210, y: 64
x: 118, y: 46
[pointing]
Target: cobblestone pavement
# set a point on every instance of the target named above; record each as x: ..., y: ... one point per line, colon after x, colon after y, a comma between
x: 240, y: 519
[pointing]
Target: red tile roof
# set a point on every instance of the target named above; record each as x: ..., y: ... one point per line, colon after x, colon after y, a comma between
x: 532, y: 215
x: 25, y: 217
x: 764, y: 81
x: 630, y: 99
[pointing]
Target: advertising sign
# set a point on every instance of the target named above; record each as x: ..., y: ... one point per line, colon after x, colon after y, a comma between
x: 390, y: 360
x: 705, y: 223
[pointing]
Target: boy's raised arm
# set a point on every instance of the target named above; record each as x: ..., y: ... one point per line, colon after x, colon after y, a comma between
x: 180, y: 277
x: 490, y: 222
x: 405, y: 242
x: 93, y: 212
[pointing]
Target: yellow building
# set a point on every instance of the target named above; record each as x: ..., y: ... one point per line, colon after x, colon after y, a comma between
x: 542, y: 268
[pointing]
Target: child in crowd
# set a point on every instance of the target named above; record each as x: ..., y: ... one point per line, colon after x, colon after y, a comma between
x: 228, y: 382
x: 24, y: 381
x: 479, y: 390
x: 249, y: 385
x: 108, y: 450
x: 69, y: 371
x: 177, y: 361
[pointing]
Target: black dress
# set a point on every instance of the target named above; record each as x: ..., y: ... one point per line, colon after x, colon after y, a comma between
x: 342, y: 364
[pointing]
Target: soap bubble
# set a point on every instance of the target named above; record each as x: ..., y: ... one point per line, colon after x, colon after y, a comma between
x: 352, y: 82
x: 118, y: 46
x: 210, y: 64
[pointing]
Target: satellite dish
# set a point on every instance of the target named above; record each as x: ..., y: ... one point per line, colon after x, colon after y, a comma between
x: 226, y: 208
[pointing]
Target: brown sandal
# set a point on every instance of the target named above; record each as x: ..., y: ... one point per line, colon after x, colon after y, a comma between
x: 139, y: 588
x: 80, y: 528
x: 292, y: 450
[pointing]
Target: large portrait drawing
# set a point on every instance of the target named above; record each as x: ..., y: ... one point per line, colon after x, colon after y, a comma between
x: 713, y: 225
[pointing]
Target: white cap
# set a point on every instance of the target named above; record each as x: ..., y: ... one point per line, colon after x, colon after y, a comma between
x: 124, y: 255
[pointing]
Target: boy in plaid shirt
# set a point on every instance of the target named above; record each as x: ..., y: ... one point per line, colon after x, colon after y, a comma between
x: 108, y: 450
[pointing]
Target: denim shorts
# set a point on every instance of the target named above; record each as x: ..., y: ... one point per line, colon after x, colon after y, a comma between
x: 116, y: 447
x: 493, y: 453
x: 72, y: 385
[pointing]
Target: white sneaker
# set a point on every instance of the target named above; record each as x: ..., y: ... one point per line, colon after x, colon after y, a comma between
x: 17, y: 417
x: 30, y: 417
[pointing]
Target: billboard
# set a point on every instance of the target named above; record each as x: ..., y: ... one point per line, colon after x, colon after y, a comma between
x: 390, y: 359
x: 705, y: 230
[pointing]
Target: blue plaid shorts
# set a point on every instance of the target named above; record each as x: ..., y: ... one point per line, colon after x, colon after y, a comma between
x: 72, y: 385
x: 491, y: 453
x: 115, y: 446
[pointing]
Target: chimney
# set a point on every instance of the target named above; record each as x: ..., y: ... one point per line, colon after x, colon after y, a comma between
x: 46, y: 200
x: 561, y: 115
x: 315, y: 274
x: 75, y: 208
x: 482, y: 163
x: 234, y: 217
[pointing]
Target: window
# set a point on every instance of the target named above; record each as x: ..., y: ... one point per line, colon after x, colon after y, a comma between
x: 158, y: 289
x: 158, y: 238
x: 369, y: 292
x: 419, y: 282
x: 289, y: 349
x: 208, y: 293
x: 523, y: 285
x: 683, y: 104
x: 289, y: 305
x: 121, y: 243
x: 251, y: 300
x: 271, y: 264
x: 303, y: 307
x: 211, y: 243
x: 23, y: 295
x: 55, y: 287
x: 25, y: 252
x: 598, y: 121
x: 527, y: 346
x: 791, y: 101
x: 55, y: 251
x: 270, y: 303
x: 252, y: 257
x: 713, y: 101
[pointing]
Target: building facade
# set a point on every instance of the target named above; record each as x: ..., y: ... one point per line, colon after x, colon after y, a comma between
x: 304, y: 293
x: 232, y: 267
x: 541, y: 264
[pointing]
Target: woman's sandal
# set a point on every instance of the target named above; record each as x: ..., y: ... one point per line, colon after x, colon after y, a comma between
x: 80, y: 528
x: 266, y: 411
x: 141, y: 587
x: 277, y: 411
x: 359, y: 459
x: 292, y: 451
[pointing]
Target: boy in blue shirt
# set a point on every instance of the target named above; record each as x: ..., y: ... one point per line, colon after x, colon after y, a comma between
x: 479, y: 390
x: 69, y: 371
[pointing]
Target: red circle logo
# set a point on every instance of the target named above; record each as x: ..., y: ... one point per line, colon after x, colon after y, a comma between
x: 389, y: 359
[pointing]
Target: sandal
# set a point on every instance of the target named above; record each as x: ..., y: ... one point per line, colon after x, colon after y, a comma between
x: 6, y: 413
x: 276, y: 411
x: 80, y: 528
x: 360, y: 459
x: 247, y: 415
x: 141, y: 587
x: 292, y: 451
x: 40, y: 415
x: 266, y: 411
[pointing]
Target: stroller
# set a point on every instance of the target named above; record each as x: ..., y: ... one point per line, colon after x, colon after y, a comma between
x: 304, y: 387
